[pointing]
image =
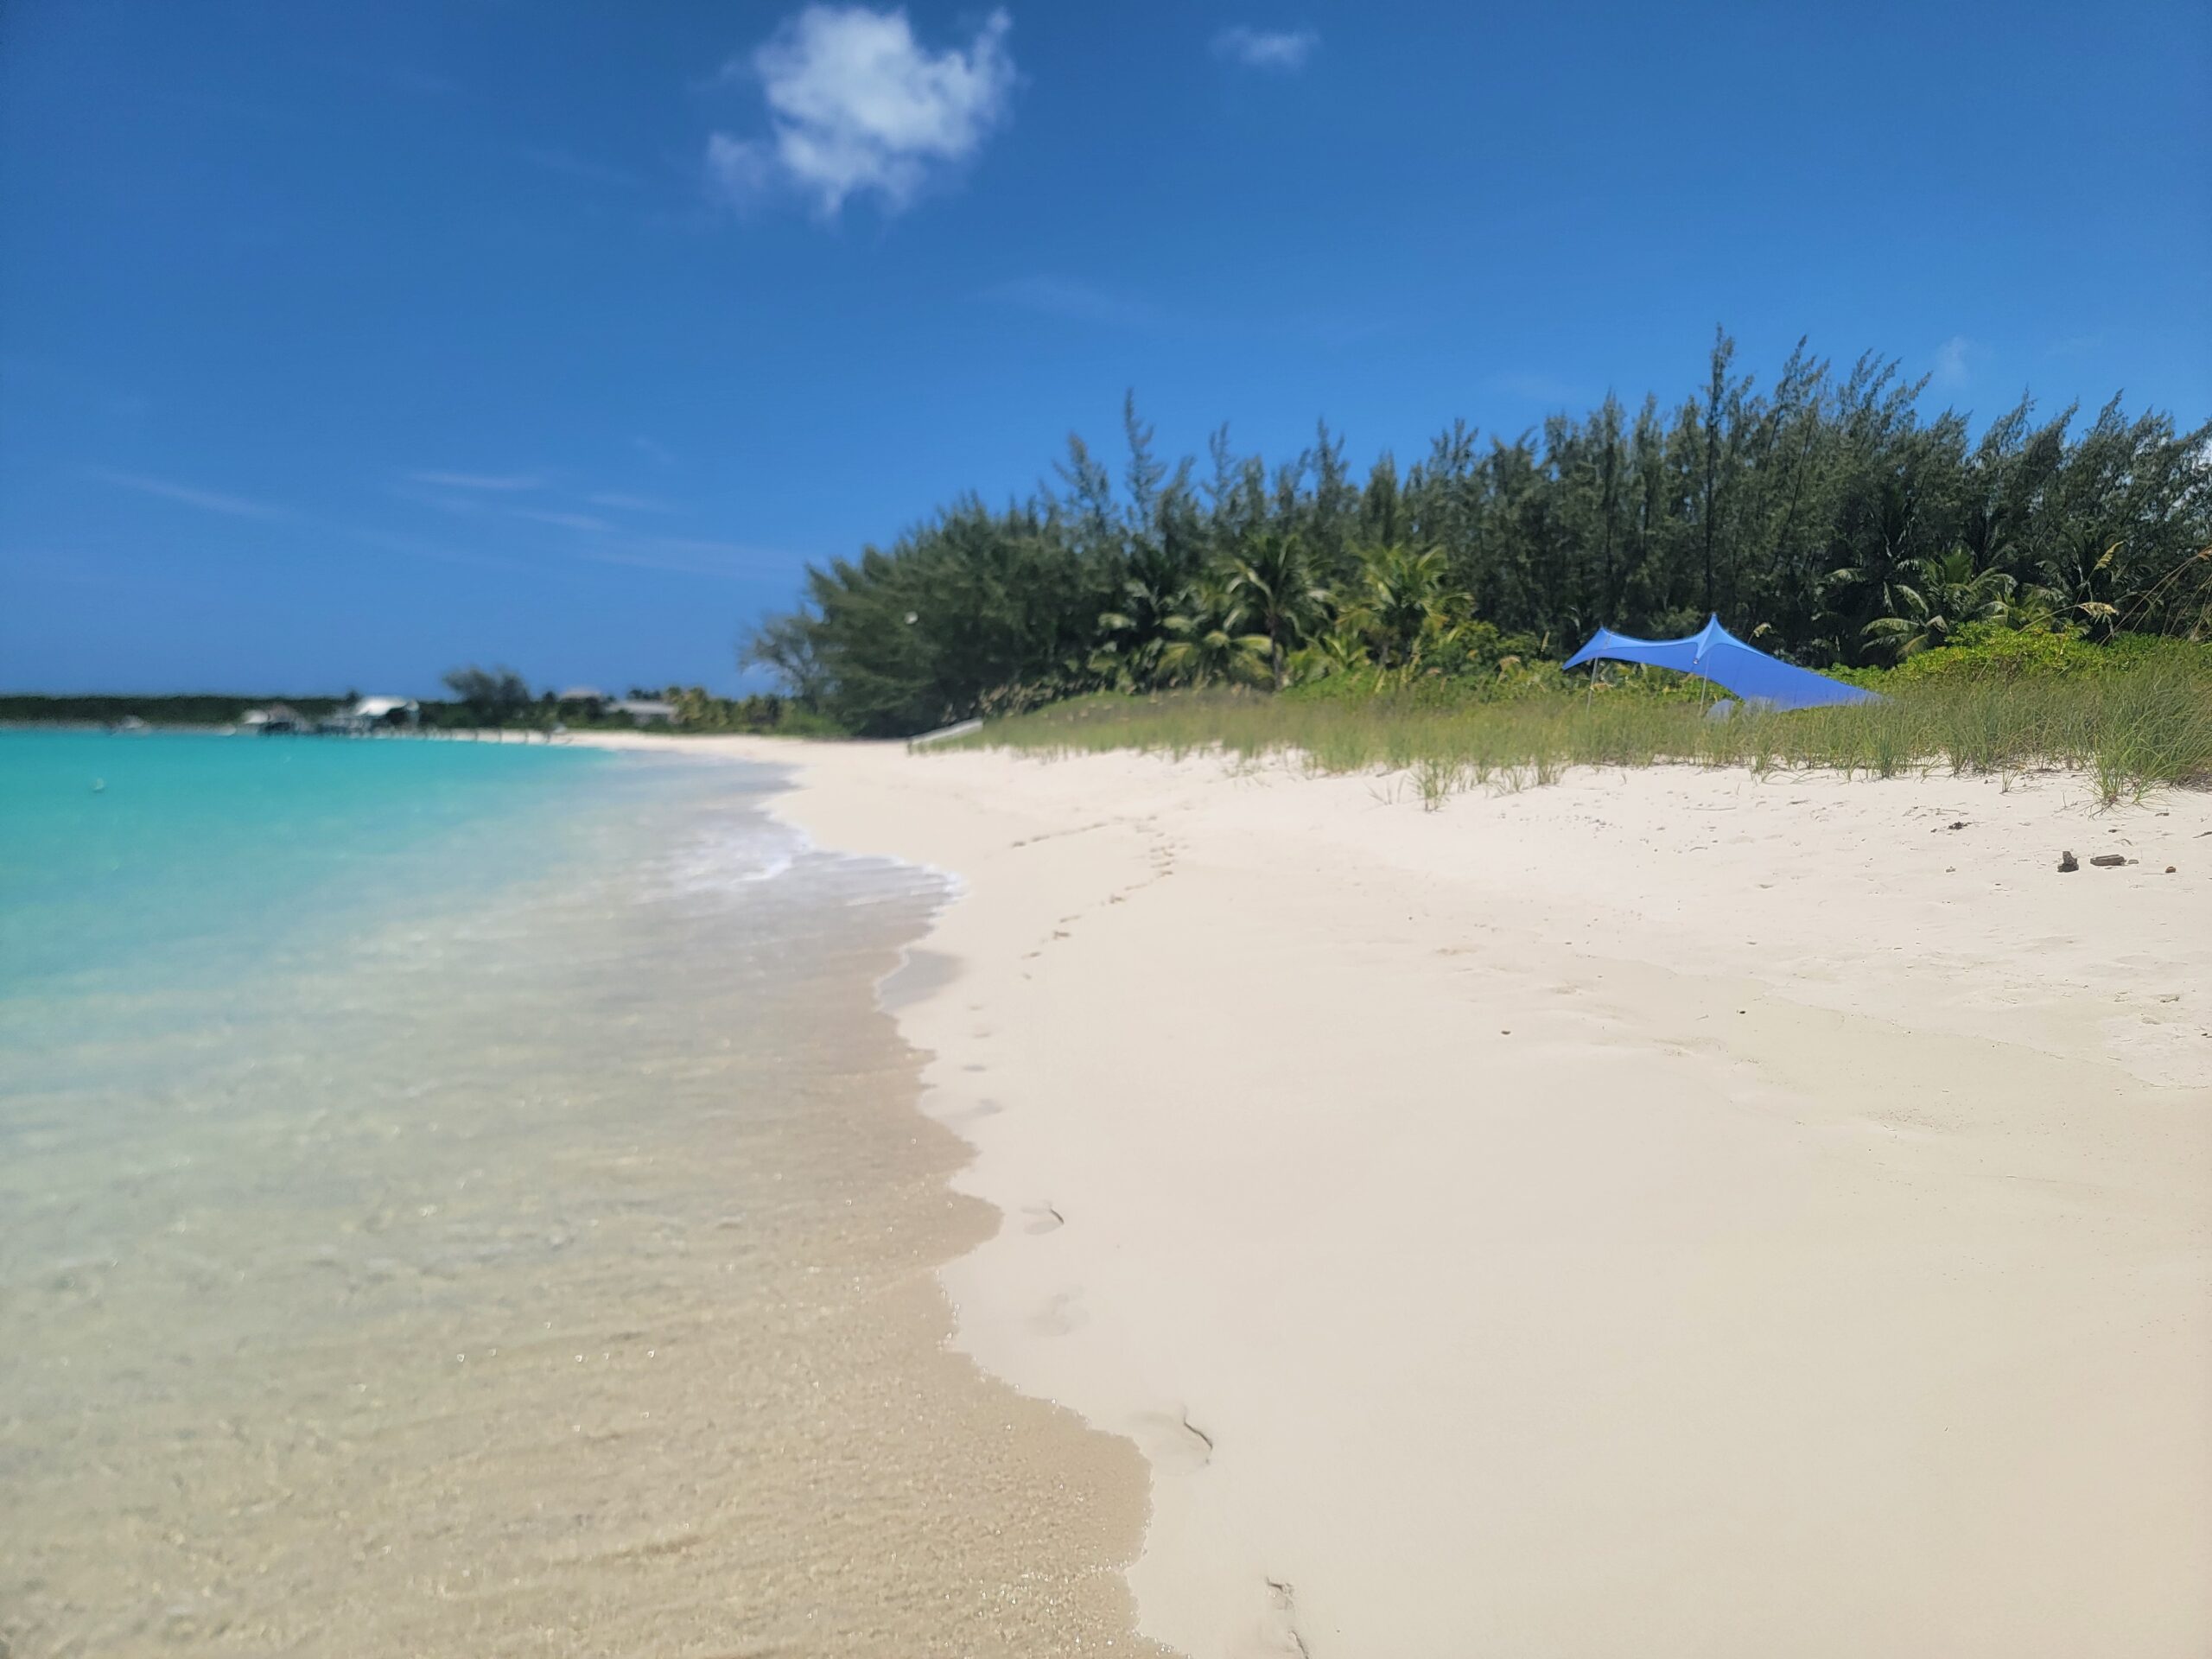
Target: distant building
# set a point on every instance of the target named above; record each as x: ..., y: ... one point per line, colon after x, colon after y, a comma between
x: 582, y: 694
x: 367, y: 715
x: 278, y: 719
x: 644, y: 711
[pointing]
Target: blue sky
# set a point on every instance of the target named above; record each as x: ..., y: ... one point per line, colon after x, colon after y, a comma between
x: 339, y: 344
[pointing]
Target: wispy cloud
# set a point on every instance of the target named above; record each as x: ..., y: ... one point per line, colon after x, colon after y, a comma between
x: 690, y: 555
x: 1059, y: 296
x: 616, y: 501
x: 1284, y: 49
x: 235, y: 506
x: 856, y: 105
x: 656, y: 453
x: 412, y: 546
x: 596, y: 540
x: 1951, y: 370
x: 564, y: 520
x: 478, y: 481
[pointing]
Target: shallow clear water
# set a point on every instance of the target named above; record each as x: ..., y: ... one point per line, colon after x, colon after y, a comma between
x: 465, y: 1199
x: 178, y: 853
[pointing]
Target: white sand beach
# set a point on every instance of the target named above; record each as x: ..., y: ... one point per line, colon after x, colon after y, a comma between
x: 1666, y: 1213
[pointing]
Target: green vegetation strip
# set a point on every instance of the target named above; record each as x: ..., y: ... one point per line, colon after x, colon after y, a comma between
x: 1827, y: 517
x: 2141, y: 719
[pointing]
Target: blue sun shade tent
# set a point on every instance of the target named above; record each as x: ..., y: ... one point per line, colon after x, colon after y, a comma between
x: 1715, y: 654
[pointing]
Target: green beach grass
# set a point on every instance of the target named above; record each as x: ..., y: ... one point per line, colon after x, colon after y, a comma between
x: 2135, y: 725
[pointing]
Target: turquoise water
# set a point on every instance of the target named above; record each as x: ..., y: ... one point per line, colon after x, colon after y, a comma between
x: 465, y: 1200
x: 125, y: 858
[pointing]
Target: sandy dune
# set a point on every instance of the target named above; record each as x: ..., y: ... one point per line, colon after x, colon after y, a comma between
x: 1670, y: 1213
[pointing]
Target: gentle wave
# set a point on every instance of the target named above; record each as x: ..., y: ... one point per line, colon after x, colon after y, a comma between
x: 731, y: 858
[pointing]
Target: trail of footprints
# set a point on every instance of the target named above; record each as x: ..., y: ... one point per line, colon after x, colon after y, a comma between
x: 1160, y: 855
x: 1283, y: 1602
x: 1174, y: 1443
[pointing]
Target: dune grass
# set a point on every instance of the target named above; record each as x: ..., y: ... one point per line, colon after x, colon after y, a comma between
x: 2134, y: 729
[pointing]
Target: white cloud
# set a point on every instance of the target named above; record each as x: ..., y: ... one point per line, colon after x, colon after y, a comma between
x: 479, y: 480
x: 1265, y: 49
x: 1950, y: 368
x: 856, y: 104
x: 234, y: 506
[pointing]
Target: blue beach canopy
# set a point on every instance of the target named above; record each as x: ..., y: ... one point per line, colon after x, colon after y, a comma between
x: 1715, y: 654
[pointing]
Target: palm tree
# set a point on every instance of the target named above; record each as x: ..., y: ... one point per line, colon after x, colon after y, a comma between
x: 1935, y: 598
x: 1128, y: 656
x: 1137, y: 632
x: 1276, y: 588
x: 2084, y: 583
x: 2182, y: 597
x: 1210, y: 642
x: 1336, y: 650
x: 1405, y: 607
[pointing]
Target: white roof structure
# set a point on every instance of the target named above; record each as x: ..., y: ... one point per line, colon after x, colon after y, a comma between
x: 644, y: 709
x: 581, y: 693
x: 384, y: 708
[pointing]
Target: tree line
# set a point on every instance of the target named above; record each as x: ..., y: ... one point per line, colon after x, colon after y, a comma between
x: 1823, y: 516
x: 500, y: 697
x: 485, y: 697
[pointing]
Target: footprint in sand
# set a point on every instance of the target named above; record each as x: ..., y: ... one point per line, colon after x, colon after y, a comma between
x: 1172, y: 1443
x: 1276, y: 1633
x: 1064, y: 1313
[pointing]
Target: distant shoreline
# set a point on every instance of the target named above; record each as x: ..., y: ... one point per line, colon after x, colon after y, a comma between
x: 232, y: 729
